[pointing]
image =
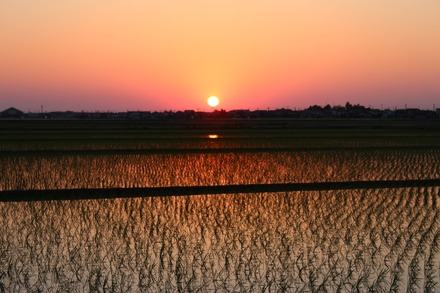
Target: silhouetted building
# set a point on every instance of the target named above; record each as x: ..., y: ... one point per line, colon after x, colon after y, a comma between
x: 11, y: 113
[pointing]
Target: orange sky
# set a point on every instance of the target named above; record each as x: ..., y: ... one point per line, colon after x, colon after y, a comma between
x: 172, y: 55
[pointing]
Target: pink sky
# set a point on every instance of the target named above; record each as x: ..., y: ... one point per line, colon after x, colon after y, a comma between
x: 172, y: 55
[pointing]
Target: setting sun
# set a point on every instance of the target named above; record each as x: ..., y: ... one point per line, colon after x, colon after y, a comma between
x: 125, y: 55
x: 213, y: 101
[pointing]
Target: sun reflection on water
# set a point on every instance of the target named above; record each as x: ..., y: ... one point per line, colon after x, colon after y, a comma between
x: 213, y: 136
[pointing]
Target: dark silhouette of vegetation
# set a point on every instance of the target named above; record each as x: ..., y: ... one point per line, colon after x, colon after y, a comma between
x: 314, y: 111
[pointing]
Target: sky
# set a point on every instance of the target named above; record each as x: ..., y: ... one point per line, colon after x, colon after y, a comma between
x: 108, y: 55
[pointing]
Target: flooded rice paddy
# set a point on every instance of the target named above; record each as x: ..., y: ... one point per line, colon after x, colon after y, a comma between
x: 200, y: 169
x: 379, y: 240
x: 357, y: 240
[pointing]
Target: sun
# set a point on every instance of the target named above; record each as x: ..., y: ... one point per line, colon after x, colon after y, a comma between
x: 213, y: 101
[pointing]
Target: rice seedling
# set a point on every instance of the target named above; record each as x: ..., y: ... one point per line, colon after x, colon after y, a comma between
x: 379, y: 240
x: 156, y: 170
x: 372, y: 239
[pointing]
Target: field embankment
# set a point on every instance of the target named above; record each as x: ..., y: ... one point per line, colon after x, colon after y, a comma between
x: 109, y: 193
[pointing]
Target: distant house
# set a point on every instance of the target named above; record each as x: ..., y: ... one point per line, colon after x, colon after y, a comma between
x: 11, y: 113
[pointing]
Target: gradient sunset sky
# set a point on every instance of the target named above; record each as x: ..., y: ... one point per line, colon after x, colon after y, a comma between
x: 103, y: 55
